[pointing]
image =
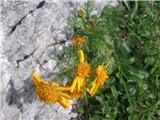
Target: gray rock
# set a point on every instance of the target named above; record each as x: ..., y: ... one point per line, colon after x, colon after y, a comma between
x: 31, y: 33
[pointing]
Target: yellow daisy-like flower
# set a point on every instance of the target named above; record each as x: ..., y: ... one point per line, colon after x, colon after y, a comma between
x: 46, y: 93
x: 78, y: 40
x: 50, y: 92
x: 83, y: 69
x: 81, y: 13
x: 101, y: 76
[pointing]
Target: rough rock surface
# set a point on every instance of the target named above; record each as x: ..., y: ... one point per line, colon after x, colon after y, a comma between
x: 31, y: 32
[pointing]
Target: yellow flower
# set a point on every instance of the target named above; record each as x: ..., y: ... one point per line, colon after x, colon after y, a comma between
x: 50, y: 92
x: 78, y: 40
x: 46, y: 93
x: 81, y: 13
x: 101, y: 76
x: 83, y: 69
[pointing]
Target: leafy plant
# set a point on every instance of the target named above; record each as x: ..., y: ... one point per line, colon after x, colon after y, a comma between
x: 127, y: 37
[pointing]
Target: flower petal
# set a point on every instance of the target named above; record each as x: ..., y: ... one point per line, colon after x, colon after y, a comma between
x: 95, y: 90
x: 81, y: 55
x: 63, y: 88
x: 92, y: 88
x: 65, y: 95
x: 64, y: 103
x: 36, y: 77
x: 74, y: 84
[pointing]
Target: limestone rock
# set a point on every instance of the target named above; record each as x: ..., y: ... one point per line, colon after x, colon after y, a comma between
x: 31, y: 32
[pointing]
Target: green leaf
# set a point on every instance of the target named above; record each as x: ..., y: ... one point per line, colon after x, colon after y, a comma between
x: 114, y: 91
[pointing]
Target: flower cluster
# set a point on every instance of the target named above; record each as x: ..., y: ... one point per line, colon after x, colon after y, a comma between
x: 83, y: 70
x: 51, y: 92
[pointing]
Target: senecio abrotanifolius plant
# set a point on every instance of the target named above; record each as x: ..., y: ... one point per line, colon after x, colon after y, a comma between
x: 121, y: 45
x: 52, y: 92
